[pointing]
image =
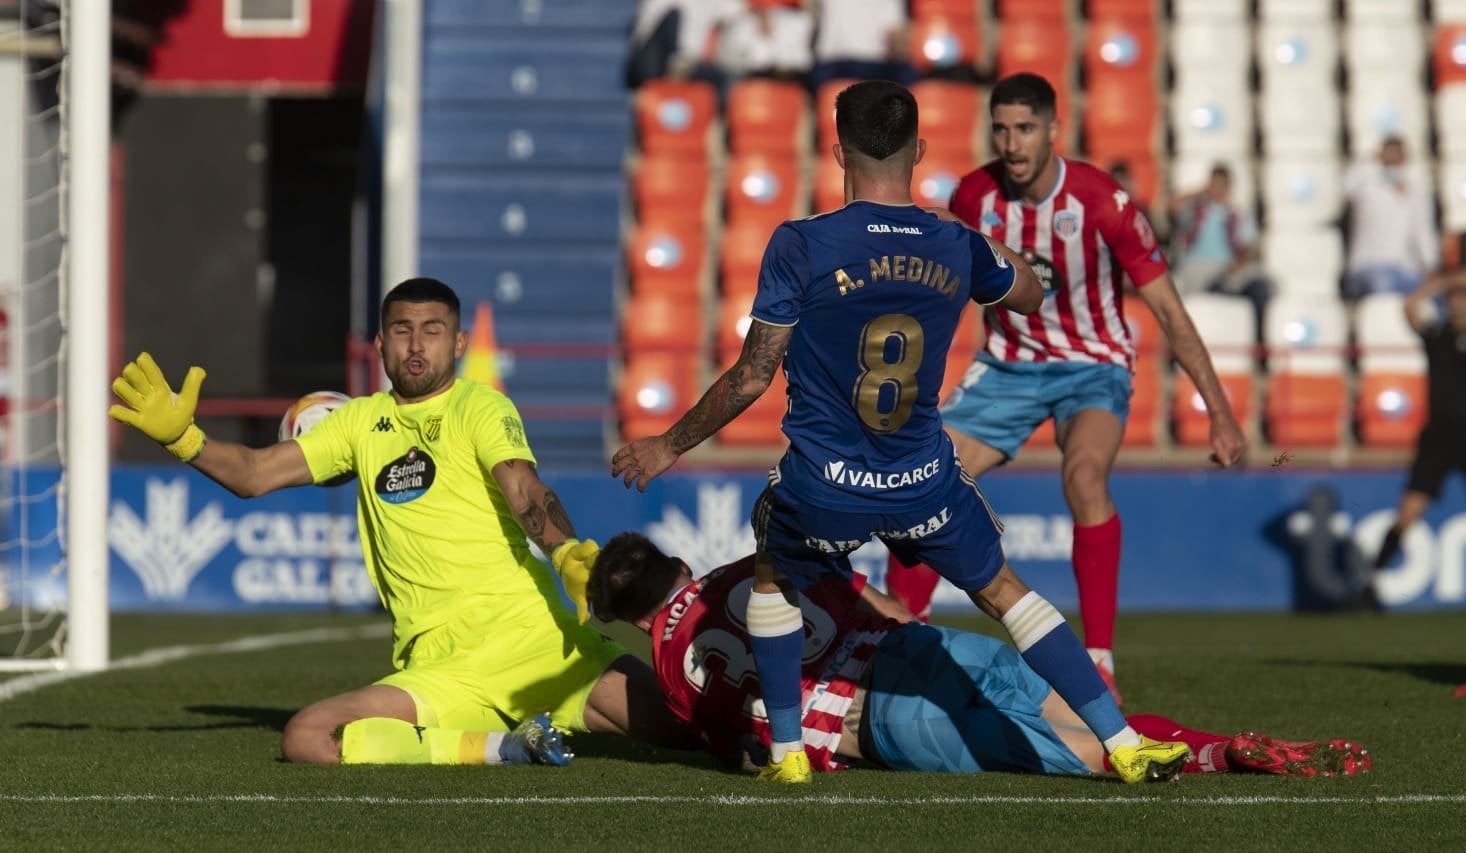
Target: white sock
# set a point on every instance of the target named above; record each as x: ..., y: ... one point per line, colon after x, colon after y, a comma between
x: 777, y: 751
x: 491, y: 748
x: 1104, y: 658
x: 1124, y: 737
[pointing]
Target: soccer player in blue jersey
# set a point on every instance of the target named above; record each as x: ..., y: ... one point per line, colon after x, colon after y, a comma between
x: 861, y: 305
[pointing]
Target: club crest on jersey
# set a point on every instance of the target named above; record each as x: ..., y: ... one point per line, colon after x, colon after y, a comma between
x: 1043, y: 268
x: 1066, y: 224
x: 406, y: 478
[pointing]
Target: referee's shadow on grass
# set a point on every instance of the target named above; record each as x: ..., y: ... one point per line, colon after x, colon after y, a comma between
x: 1448, y: 674
x: 244, y: 718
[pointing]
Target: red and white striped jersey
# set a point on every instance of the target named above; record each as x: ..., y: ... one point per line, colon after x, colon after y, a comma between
x: 1079, y: 241
x: 704, y: 662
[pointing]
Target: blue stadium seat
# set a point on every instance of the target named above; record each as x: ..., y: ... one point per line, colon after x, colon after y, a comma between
x: 527, y: 65
x: 580, y: 280
x: 527, y: 136
x: 557, y: 210
x: 502, y: 14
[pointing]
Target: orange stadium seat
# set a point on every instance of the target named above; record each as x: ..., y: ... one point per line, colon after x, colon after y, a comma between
x: 1391, y: 408
x: 1449, y: 58
x: 1043, y: 439
x: 674, y: 116
x: 665, y: 259
x: 950, y: 115
x: 824, y: 114
x: 1305, y: 410
x: 1033, y: 9
x: 1141, y: 9
x: 762, y: 187
x: 923, y: 9
x: 941, y: 43
x: 766, y: 116
x: 1189, y: 414
x: 1039, y: 43
x: 656, y: 388
x: 1145, y: 329
x: 670, y: 187
x: 658, y: 323
x: 829, y: 185
x: 758, y: 425
x: 1142, y: 428
x: 1121, y: 118
x: 936, y: 176
x: 1120, y: 47
x: 742, y: 255
x: 733, y: 322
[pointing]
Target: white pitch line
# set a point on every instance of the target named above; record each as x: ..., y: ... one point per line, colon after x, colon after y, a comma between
x: 733, y: 800
x: 169, y: 654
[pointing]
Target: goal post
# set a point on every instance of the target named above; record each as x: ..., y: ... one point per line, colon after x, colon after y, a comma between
x: 55, y: 68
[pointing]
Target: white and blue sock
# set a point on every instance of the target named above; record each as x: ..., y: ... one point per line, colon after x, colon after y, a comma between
x: 776, y: 631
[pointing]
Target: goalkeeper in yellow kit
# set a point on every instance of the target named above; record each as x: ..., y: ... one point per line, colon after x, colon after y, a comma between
x: 491, y: 667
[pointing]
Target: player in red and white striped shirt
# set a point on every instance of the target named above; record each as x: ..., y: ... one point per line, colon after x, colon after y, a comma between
x: 1072, y: 359
x: 881, y: 686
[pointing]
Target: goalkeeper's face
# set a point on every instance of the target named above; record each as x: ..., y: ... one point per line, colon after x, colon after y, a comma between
x: 420, y: 344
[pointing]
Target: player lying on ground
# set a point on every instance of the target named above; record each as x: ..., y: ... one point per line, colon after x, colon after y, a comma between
x: 894, y: 691
x: 447, y: 497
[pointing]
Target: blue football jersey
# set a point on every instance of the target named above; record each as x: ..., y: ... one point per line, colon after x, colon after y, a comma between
x: 874, y: 293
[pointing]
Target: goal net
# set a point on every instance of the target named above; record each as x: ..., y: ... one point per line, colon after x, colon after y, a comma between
x: 43, y: 251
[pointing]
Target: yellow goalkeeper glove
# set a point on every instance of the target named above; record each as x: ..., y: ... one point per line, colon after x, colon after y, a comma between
x: 155, y: 410
x: 573, y: 559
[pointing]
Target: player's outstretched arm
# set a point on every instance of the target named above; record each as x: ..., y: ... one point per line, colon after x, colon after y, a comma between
x: 1227, y: 441
x: 150, y: 406
x: 734, y: 391
x: 1027, y: 294
x: 545, y: 521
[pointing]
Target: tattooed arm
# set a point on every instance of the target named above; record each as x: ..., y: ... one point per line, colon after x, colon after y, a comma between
x: 733, y: 392
x: 536, y: 506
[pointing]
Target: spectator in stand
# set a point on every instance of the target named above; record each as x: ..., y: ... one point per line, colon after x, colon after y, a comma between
x: 1216, y: 245
x: 1392, y: 237
x: 671, y: 38
x: 768, y: 39
x: 860, y: 40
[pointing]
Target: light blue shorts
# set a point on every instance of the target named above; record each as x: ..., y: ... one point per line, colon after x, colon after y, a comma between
x: 946, y: 701
x: 1001, y: 403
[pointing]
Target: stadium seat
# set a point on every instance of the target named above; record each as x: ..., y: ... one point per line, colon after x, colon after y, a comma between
x: 1453, y: 194
x: 1306, y: 399
x: 762, y: 187
x: 655, y: 390
x: 924, y: 9
x: 1227, y: 11
x: 1394, y: 47
x: 666, y: 259
x: 1121, y: 119
x: 1384, y: 103
x: 766, y: 116
x: 951, y: 113
x: 1213, y: 115
x: 1450, y: 120
x: 1145, y: 172
x: 758, y: 425
x: 742, y: 255
x: 829, y: 185
x: 1142, y: 427
x: 1391, y: 404
x: 1139, y: 10
x: 655, y: 322
x: 1301, y: 11
x: 1299, y: 118
x: 675, y: 115
x: 935, y: 177
x: 1124, y: 46
x: 1380, y: 12
x: 1301, y: 53
x: 1302, y: 191
x: 670, y: 187
x: 1448, y: 11
x: 1052, y: 9
x: 1036, y: 42
x: 1449, y: 56
x: 1210, y: 48
x: 1302, y: 261
x: 937, y: 44
x: 1386, y: 341
x: 1226, y: 326
x: 733, y: 322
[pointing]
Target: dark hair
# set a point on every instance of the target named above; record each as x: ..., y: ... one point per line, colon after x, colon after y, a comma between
x: 875, y: 117
x: 630, y: 579
x: 1025, y: 89
x: 422, y: 290
x: 1221, y: 170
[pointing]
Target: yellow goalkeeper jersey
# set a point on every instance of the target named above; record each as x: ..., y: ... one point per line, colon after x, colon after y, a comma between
x: 437, y: 534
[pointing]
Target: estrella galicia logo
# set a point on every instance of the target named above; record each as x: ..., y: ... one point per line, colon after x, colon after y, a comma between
x: 407, y: 477
x: 1043, y: 268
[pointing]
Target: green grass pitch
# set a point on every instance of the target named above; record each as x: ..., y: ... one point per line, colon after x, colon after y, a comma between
x: 179, y: 750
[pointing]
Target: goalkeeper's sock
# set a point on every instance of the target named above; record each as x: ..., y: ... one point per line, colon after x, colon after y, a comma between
x: 1050, y: 646
x: 384, y: 740
x: 776, y: 633
x: 1208, y: 749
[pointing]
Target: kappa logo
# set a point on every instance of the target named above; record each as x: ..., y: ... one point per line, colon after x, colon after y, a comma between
x: 383, y: 425
x: 167, y: 549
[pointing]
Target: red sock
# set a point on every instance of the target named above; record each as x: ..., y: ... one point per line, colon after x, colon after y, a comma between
x: 913, y: 586
x: 1208, y: 750
x: 1097, y: 574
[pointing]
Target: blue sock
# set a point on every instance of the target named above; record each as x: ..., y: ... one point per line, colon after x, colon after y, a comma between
x: 776, y: 633
x: 1050, y: 646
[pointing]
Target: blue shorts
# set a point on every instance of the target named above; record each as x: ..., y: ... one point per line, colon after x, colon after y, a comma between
x: 1001, y: 403
x: 957, y: 534
x: 946, y: 701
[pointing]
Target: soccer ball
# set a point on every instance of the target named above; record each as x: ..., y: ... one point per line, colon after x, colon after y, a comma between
x: 308, y: 411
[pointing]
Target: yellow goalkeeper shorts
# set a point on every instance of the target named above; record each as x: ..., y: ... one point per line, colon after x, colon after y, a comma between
x: 476, y: 674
